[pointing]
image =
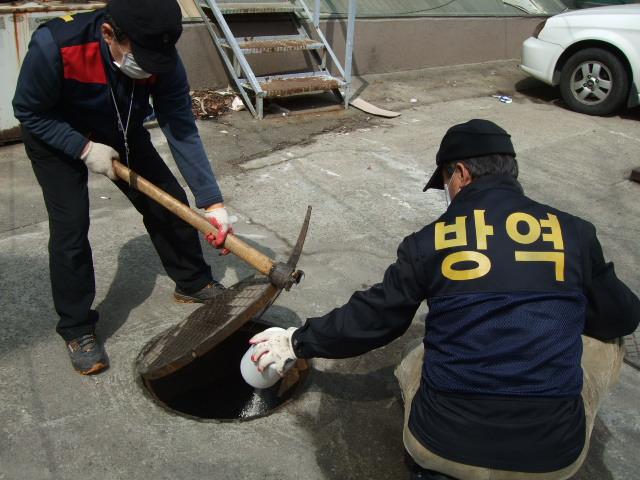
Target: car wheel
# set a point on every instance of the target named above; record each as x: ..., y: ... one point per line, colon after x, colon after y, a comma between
x: 594, y: 81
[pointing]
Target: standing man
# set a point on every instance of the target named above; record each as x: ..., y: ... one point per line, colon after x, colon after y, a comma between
x: 82, y: 96
x: 504, y: 385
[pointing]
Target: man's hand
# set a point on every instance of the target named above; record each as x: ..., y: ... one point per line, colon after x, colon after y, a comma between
x: 98, y: 157
x: 219, y: 218
x: 273, y: 348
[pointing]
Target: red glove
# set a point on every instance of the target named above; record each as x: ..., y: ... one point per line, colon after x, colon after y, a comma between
x: 219, y: 218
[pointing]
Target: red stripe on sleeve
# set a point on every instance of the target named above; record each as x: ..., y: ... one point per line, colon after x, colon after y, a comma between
x: 84, y: 63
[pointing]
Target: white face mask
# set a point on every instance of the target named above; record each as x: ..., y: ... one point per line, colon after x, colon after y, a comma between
x: 130, y: 67
x: 447, y: 195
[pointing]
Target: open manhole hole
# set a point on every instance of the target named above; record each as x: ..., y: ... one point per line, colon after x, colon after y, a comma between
x: 211, y: 386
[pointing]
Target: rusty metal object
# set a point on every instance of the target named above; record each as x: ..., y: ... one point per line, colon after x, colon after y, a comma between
x: 210, y: 324
x: 207, y: 326
x: 265, y: 7
x: 286, y: 275
x: 30, y: 7
x: 635, y: 175
x: 270, y: 46
x: 291, y: 86
x: 294, y: 376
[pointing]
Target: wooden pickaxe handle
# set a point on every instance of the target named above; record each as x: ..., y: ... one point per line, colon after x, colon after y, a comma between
x: 253, y: 257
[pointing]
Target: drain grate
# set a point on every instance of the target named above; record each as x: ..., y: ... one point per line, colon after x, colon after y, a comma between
x: 632, y: 347
x: 206, y: 327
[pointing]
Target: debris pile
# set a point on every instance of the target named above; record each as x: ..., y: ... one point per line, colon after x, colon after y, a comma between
x: 207, y: 103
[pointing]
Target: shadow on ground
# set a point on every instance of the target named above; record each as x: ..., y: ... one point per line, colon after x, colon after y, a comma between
x: 357, y: 430
x: 25, y: 302
x: 539, y: 92
x: 27, y: 306
x: 594, y: 466
x: 136, y: 276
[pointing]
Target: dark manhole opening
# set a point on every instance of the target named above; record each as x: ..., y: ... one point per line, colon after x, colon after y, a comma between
x: 211, y: 387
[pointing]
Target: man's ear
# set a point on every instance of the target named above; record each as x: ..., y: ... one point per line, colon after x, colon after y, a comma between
x: 107, y: 33
x: 465, y: 174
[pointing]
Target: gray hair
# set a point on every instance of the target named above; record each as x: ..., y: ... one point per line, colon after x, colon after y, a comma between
x: 494, y: 164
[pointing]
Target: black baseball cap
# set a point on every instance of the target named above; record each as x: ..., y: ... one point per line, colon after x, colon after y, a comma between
x: 475, y: 138
x: 154, y: 27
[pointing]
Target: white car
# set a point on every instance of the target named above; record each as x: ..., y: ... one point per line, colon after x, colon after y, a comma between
x: 592, y: 54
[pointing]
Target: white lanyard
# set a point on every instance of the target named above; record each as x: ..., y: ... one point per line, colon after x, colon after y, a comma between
x: 122, y: 127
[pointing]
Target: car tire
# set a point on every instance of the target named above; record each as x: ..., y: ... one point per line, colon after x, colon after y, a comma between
x: 594, y: 81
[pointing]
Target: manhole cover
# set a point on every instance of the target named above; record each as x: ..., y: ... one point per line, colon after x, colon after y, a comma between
x: 211, y: 387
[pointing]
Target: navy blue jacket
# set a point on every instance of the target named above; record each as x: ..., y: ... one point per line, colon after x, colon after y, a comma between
x: 511, y: 285
x: 63, y: 97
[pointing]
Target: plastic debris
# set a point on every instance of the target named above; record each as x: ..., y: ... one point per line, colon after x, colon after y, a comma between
x: 503, y: 98
x: 226, y: 91
x: 414, y: 100
x: 237, y: 104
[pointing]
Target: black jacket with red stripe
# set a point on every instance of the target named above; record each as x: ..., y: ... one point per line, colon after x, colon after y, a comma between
x: 64, y: 98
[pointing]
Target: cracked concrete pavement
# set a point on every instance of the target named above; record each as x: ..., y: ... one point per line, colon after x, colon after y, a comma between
x: 364, y: 178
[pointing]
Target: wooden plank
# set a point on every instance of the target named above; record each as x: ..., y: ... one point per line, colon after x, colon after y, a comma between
x: 282, y: 87
x: 189, y: 9
x: 270, y: 46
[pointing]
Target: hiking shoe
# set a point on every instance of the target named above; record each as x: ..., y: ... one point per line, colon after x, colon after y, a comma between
x: 203, y: 295
x: 87, y: 355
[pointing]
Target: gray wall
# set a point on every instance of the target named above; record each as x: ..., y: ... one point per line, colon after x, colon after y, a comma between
x: 382, y: 45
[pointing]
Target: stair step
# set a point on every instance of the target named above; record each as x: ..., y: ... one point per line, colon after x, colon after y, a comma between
x: 268, y: 46
x: 296, y: 84
x: 267, y: 7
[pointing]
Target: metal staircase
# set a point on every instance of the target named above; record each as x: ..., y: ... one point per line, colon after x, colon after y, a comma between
x: 234, y: 50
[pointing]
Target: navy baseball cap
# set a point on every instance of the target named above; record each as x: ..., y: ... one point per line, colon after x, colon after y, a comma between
x: 154, y: 27
x: 475, y: 138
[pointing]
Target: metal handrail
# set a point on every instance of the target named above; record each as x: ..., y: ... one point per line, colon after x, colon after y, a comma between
x: 348, y: 55
x: 316, y: 14
x: 240, y: 65
x: 323, y: 39
x: 225, y: 58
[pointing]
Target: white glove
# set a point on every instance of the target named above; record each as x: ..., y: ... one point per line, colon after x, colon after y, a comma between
x: 219, y: 218
x: 98, y: 157
x: 273, y: 348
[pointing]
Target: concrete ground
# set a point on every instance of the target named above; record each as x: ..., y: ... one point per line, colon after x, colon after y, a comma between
x: 364, y: 178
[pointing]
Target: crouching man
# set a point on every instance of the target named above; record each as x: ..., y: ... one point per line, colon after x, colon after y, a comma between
x: 522, y: 337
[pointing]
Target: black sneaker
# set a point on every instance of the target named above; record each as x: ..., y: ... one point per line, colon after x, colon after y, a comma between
x: 87, y: 355
x: 203, y: 295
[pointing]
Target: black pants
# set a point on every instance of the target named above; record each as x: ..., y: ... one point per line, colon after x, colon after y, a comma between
x: 64, y: 185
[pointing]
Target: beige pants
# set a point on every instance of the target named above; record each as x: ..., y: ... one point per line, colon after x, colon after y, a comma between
x: 601, y: 363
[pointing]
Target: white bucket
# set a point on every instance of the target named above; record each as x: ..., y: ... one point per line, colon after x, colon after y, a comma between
x: 249, y: 370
